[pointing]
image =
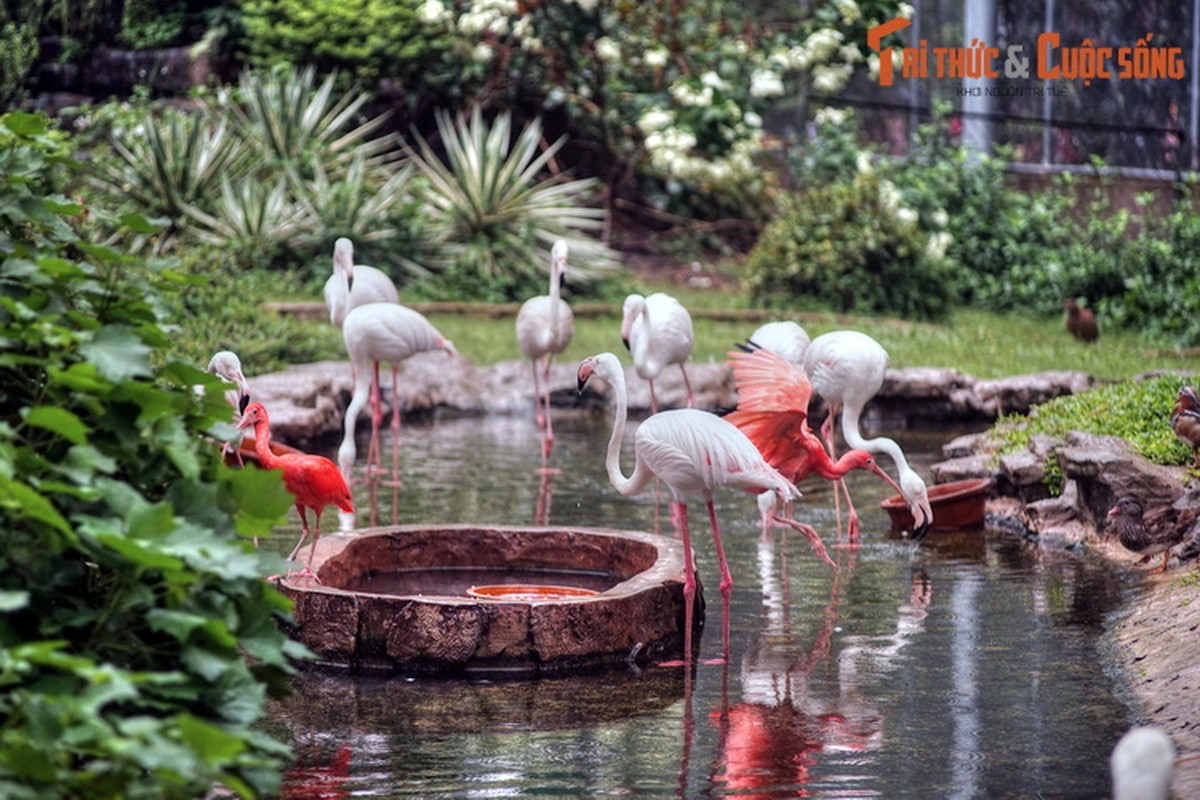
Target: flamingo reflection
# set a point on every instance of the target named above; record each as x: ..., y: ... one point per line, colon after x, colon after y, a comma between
x: 318, y: 780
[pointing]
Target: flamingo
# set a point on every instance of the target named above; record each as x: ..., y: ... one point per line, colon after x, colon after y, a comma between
x: 785, y: 338
x: 693, y: 453
x: 352, y: 285
x: 847, y: 368
x: 373, y: 333
x: 313, y: 480
x: 228, y: 367
x: 1142, y: 764
x: 773, y: 399
x: 545, y: 325
x: 657, y: 330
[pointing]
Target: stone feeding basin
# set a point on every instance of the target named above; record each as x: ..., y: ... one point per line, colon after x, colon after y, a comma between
x: 488, y: 598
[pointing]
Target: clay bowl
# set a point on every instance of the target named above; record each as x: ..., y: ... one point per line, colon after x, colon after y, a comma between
x: 458, y: 598
x: 956, y: 505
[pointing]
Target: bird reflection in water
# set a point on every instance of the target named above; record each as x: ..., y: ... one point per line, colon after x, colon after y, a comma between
x: 319, y: 780
x: 791, y: 711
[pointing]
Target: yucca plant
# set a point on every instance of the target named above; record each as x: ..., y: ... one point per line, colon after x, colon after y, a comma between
x: 172, y: 167
x: 252, y: 219
x: 290, y: 121
x: 496, y: 214
x: 379, y: 209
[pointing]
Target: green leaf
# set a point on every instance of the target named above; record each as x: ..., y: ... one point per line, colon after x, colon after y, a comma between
x: 215, y: 745
x: 24, y: 124
x: 58, y: 420
x: 24, y: 501
x: 117, y: 353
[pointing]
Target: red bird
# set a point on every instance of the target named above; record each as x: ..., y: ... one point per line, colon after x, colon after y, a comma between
x: 773, y: 398
x: 313, y: 480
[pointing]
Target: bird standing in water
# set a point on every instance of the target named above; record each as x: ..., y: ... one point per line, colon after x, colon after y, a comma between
x: 545, y: 325
x: 1081, y: 322
x: 1185, y: 420
x: 847, y: 369
x: 1134, y: 535
x: 313, y: 480
x: 694, y: 453
x: 772, y: 410
x: 657, y: 330
x: 352, y: 285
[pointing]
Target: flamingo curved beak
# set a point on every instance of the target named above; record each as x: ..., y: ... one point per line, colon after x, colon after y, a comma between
x: 586, y: 370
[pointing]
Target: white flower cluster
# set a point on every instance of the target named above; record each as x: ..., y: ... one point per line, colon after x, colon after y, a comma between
x: 828, y: 115
x: 490, y: 16
x: 671, y: 148
x: 433, y: 12
x: 766, y: 83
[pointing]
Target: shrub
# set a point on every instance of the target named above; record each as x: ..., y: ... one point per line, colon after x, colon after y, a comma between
x: 851, y: 247
x: 138, y: 640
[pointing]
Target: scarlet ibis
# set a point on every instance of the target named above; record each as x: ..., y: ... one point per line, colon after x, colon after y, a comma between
x: 313, y: 480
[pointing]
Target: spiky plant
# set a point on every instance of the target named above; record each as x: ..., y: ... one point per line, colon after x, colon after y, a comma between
x: 496, y: 211
x: 290, y: 121
x: 252, y: 218
x: 171, y: 166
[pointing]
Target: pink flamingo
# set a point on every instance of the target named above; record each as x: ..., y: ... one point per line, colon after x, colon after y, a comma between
x: 228, y: 367
x: 657, y: 330
x: 773, y: 399
x: 373, y: 333
x: 847, y: 368
x: 313, y: 480
x: 545, y: 325
x: 352, y: 285
x: 785, y: 338
x: 693, y: 453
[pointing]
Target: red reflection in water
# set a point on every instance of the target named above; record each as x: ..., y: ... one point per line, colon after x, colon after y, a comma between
x: 319, y: 781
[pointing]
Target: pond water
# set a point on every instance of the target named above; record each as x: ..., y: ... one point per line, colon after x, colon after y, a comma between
x: 967, y: 667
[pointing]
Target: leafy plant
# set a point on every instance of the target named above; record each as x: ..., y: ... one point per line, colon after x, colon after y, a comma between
x: 852, y: 247
x: 138, y: 640
x: 1137, y: 411
x: 495, y: 217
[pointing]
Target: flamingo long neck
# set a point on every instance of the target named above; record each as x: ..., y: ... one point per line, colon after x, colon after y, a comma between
x: 262, y: 445
x: 880, y: 444
x: 612, y: 457
x: 555, y: 294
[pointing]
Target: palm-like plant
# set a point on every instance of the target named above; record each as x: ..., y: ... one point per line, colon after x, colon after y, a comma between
x: 290, y: 120
x: 254, y: 219
x: 172, y: 166
x: 495, y: 213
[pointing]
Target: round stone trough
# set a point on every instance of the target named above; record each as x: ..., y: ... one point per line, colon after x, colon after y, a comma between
x: 469, y: 598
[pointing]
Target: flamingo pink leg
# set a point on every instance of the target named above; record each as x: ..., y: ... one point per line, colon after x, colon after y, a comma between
x: 726, y: 585
x: 395, y: 424
x: 679, y: 515
x: 811, y: 534
x: 376, y: 403
x: 839, y: 485
x: 548, y: 440
x: 691, y: 397
x: 653, y: 400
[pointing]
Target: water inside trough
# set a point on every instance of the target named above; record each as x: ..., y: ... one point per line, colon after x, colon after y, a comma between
x: 967, y: 667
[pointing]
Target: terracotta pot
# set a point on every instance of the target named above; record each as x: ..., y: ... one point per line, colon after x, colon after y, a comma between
x: 956, y: 505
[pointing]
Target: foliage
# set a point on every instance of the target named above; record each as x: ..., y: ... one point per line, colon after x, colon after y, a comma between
x: 496, y: 217
x: 138, y: 640
x: 365, y: 41
x: 853, y: 247
x: 1137, y: 411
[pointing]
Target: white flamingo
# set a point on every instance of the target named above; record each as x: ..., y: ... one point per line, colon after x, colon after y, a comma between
x: 377, y: 332
x: 545, y: 325
x: 658, y: 332
x: 847, y: 368
x: 785, y: 339
x: 693, y: 453
x: 228, y: 367
x: 352, y: 285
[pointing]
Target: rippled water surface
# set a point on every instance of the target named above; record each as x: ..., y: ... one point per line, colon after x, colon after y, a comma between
x: 967, y: 667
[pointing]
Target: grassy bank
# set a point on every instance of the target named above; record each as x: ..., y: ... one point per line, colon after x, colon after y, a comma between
x: 977, y: 343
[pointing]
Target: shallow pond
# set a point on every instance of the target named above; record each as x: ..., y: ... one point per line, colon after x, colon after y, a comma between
x: 966, y: 667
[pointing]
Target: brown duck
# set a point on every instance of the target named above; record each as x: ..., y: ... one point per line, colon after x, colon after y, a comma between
x: 1185, y: 420
x: 1081, y: 322
x: 1134, y: 536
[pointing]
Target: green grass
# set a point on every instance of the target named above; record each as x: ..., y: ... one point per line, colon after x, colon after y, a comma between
x: 977, y: 343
